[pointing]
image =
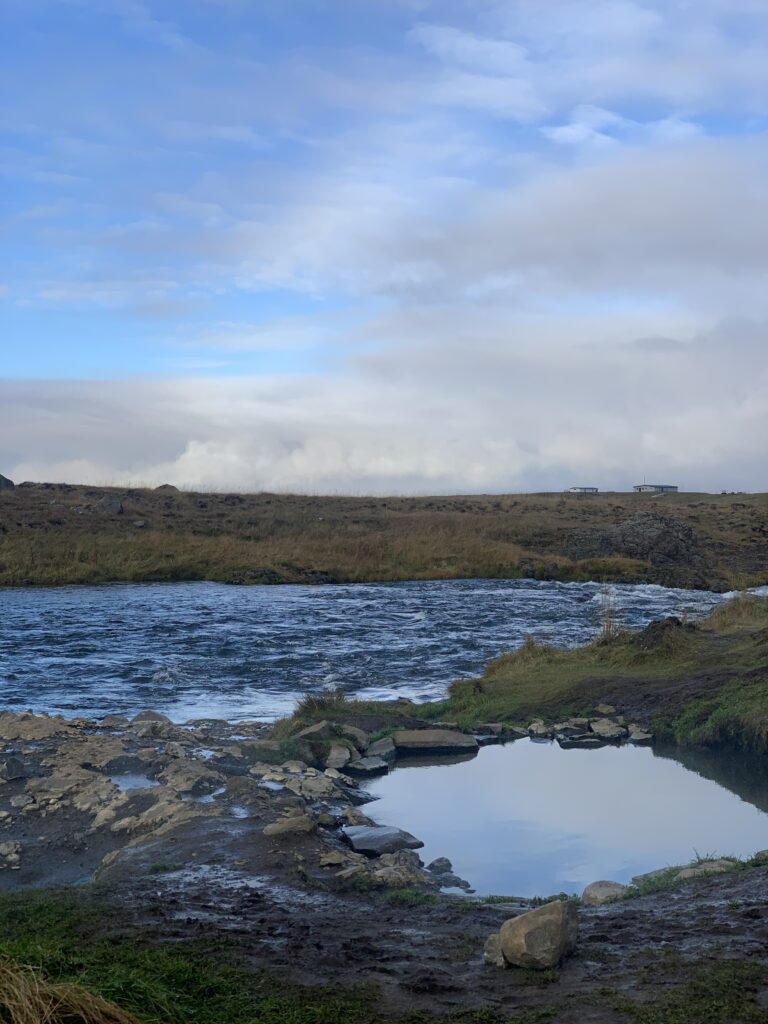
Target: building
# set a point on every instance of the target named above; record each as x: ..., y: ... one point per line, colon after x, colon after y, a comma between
x: 582, y: 490
x: 655, y: 488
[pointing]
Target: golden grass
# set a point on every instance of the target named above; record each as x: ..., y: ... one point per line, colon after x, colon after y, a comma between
x: 48, y: 534
x: 27, y: 998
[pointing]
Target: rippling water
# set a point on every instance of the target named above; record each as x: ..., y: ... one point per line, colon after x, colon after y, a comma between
x: 198, y: 649
x: 208, y: 649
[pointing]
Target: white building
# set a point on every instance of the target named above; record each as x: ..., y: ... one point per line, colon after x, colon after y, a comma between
x: 655, y: 488
x: 582, y: 490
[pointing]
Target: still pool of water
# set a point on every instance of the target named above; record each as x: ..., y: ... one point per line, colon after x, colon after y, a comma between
x: 194, y: 650
x: 531, y: 819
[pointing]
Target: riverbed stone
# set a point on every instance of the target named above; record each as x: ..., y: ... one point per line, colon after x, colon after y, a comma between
x: 338, y: 756
x: 539, y: 731
x: 433, y: 741
x: 377, y: 839
x: 597, y: 893
x: 358, y: 736
x: 638, y: 736
x: 28, y: 727
x: 541, y: 938
x: 605, y: 709
x: 607, y: 729
x: 383, y: 748
x: 10, y: 856
x: 298, y: 824
x: 584, y: 741
x: 368, y: 766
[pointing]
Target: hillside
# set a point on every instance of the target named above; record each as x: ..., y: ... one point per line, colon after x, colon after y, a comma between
x: 60, y: 533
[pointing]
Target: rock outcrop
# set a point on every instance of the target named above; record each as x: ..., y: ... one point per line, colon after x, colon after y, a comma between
x: 598, y: 893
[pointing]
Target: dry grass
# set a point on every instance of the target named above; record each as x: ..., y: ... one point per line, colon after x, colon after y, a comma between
x: 48, y: 534
x: 27, y: 998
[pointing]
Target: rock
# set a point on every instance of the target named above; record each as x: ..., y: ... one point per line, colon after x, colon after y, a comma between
x: 168, y: 488
x: 21, y: 800
x: 358, y: 736
x: 542, y: 937
x: 190, y: 778
x: 151, y: 716
x: 352, y: 816
x: 539, y: 731
x: 605, y: 709
x: 338, y: 756
x: 571, y: 727
x: 301, y: 823
x: 440, y: 866
x: 651, y: 876
x: 377, y: 839
x: 10, y: 856
x: 28, y: 727
x: 384, y: 748
x: 6, y: 484
x: 175, y: 750
x: 114, y: 722
x: 109, y: 505
x: 319, y: 731
x: 311, y: 787
x: 638, y: 736
x: 368, y: 766
x: 433, y: 741
x: 13, y: 768
x: 492, y: 954
x: 586, y: 741
x: 598, y: 893
x: 139, y: 523
x: 708, y: 867
x: 489, y: 729
x: 608, y: 730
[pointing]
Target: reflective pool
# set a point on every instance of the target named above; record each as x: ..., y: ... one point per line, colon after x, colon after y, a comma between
x: 531, y: 819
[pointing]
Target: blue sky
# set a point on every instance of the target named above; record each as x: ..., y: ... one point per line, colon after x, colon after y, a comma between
x: 385, y: 244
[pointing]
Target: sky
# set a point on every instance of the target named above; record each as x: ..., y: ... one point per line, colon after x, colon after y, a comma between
x: 384, y: 246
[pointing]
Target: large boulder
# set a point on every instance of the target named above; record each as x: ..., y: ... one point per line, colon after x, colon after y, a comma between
x: 541, y: 938
x: 296, y: 825
x: 368, y: 766
x: 338, y: 756
x: 598, y: 893
x: 374, y: 840
x: 13, y: 768
x: 109, y: 505
x: 433, y: 741
x: 6, y: 484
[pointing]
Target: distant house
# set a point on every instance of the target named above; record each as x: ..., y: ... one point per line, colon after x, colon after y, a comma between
x: 655, y: 488
x: 582, y: 490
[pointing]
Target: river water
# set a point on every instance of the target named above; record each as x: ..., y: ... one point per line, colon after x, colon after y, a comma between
x: 210, y: 650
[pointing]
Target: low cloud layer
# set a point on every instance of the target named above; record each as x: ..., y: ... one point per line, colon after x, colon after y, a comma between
x: 410, y: 246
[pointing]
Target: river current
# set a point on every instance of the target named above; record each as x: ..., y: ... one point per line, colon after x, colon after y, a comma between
x: 194, y: 650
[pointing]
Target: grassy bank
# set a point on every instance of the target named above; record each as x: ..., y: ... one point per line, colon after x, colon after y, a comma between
x: 54, y: 534
x: 695, y: 683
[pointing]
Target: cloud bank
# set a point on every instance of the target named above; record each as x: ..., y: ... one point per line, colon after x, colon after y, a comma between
x: 402, y: 247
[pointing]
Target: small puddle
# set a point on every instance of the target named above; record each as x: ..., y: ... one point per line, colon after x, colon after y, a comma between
x: 531, y: 819
x: 132, y: 781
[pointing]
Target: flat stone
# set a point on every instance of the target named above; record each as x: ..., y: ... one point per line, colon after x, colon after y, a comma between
x: 607, y: 729
x: 433, y: 741
x: 598, y: 893
x: 377, y: 839
x: 151, y: 716
x: 541, y: 938
x: 368, y: 766
x: 319, y: 731
x: 585, y: 741
x: 489, y: 729
x: 605, y: 709
x: 638, y: 736
x: 301, y: 823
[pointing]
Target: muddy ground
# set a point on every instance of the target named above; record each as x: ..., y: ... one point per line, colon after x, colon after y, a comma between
x: 190, y: 858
